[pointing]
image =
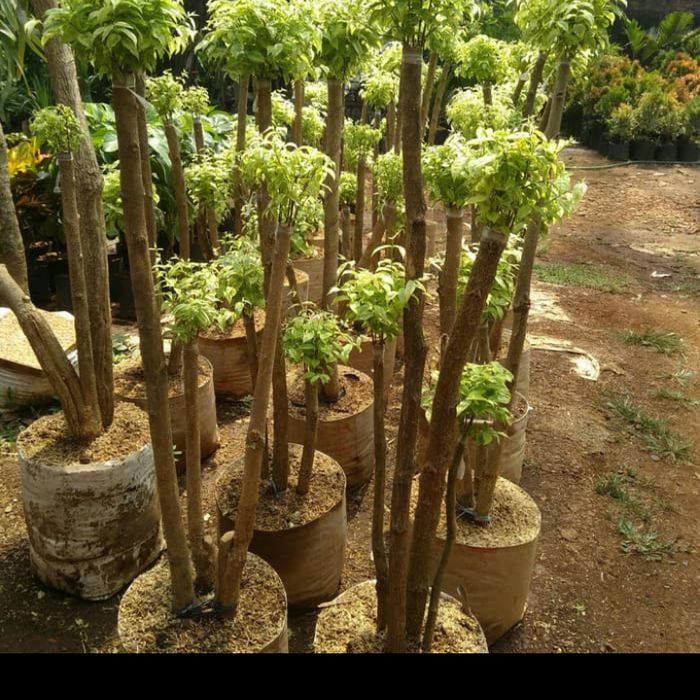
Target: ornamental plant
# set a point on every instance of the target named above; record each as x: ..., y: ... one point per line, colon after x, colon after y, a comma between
x: 282, y: 110
x: 483, y: 61
x: 347, y: 196
x: 620, y: 124
x: 375, y: 302
x: 316, y: 340
x: 691, y: 120
x: 658, y: 117
x: 120, y: 39
x: 309, y: 220
x: 466, y: 112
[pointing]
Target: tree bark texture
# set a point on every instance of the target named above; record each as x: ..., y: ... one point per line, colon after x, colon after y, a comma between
x: 427, y: 92
x: 240, y: 145
x: 356, y: 252
x: 449, y: 276
x: 183, y: 217
x: 437, y: 105
x: 535, y: 80
x: 558, y: 99
x: 310, y: 429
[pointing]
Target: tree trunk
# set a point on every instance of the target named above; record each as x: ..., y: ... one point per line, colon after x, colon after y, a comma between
x: 280, y: 416
x: 183, y: 218
x: 399, y: 129
x: 380, y: 228
x: 443, y: 425
x: 535, y: 80
x: 146, y: 173
x: 334, y: 135
x: 356, y: 252
x: 390, y: 125
x: 310, y: 429
x: 485, y: 481
x: 213, y: 229
x: 558, y: 99
x: 331, y: 389
x: 251, y: 339
x: 427, y: 92
x: 88, y: 176
x: 437, y: 105
x: 449, y: 276
x: 266, y: 222
x: 450, y: 536
x: 203, y: 564
x: 375, y: 193
x: 79, y: 294
x: 229, y: 575
x: 151, y: 342
x: 381, y: 563
x: 60, y: 373
x: 520, y: 86
x: 415, y: 349
x: 11, y: 243
x: 544, y: 118
x: 240, y: 145
x: 297, y: 131
x: 487, y: 91
x: 346, y: 233
x: 521, y: 303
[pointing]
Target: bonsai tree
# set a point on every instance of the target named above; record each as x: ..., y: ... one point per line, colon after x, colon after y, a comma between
x: 375, y: 301
x: 482, y: 405
x: 165, y: 94
x: 482, y: 61
x: 360, y: 142
x: 316, y: 340
x: 292, y: 176
x: 347, y: 33
x: 120, y: 38
x: 189, y: 295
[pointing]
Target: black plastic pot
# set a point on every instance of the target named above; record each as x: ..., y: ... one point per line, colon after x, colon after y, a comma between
x: 127, y: 310
x: 115, y: 267
x: 39, y: 282
x: 667, y: 152
x: 619, y: 151
x: 64, y: 301
x: 642, y: 150
x: 603, y: 145
x: 58, y: 265
x: 688, y: 151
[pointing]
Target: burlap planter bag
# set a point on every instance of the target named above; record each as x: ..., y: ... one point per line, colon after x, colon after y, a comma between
x: 146, y: 623
x: 348, y: 624
x: 92, y: 527
x: 363, y: 359
x: 306, y: 549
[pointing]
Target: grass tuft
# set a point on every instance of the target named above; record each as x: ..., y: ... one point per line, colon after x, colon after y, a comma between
x: 665, y: 342
x: 584, y: 275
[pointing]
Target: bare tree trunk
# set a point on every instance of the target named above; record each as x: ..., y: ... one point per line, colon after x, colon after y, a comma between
x: 331, y: 389
x: 364, y: 114
x: 390, y: 125
x: 544, y: 118
x: 213, y: 229
x: 11, y: 243
x: 60, y: 373
x: 427, y: 92
x: 183, y: 218
x: 380, y: 228
x: 240, y: 145
x: 558, y: 98
x: 535, y: 80
x: 485, y: 481
x: 375, y: 193
x: 266, y: 221
x: 381, y: 562
x: 399, y: 130
x: 146, y: 173
x: 151, y: 342
x: 519, y: 87
x: 449, y: 276
x: 297, y: 131
x: 334, y: 135
x: 203, y: 561
x: 443, y: 425
x: 79, y: 294
x: 88, y: 176
x: 437, y: 105
x: 450, y: 536
x: 346, y: 233
x: 356, y: 252
x: 310, y: 429
x: 415, y: 349
x: 280, y: 416
x: 476, y: 227
x: 252, y: 345
x: 229, y: 574
x: 488, y: 95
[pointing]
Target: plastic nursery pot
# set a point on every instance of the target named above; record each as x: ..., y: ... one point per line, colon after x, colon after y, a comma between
x: 619, y: 151
x: 39, y: 282
x: 127, y: 310
x: 129, y: 386
x: 146, y: 623
x: 91, y: 510
x: 666, y: 153
x: 345, y: 428
x: 494, y: 563
x: 642, y: 150
x: 363, y: 359
x: 313, y: 267
x: 301, y: 537
x: 349, y: 625
x: 64, y: 301
x: 688, y: 151
x: 114, y: 264
x: 228, y: 354
x: 602, y: 145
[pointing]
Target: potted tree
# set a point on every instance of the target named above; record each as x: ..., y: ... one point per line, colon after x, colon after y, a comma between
x: 689, y: 144
x: 481, y: 60
x: 620, y: 131
x: 300, y: 530
x: 347, y: 195
x: 88, y: 483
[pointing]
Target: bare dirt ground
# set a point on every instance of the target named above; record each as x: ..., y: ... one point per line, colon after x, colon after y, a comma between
x: 613, y: 574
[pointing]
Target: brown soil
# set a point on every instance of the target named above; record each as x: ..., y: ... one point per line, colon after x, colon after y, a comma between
x: 236, y: 329
x: 147, y: 625
x: 287, y: 509
x: 348, y: 625
x: 587, y: 595
x: 47, y: 440
x: 129, y: 382
x: 357, y: 393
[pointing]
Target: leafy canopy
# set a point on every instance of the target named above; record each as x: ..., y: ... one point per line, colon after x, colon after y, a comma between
x: 376, y: 300
x: 195, y: 100
x: 209, y: 182
x: 165, y: 93
x: 57, y: 128
x: 239, y: 281
x: 380, y: 88
x: 482, y: 60
x: 466, y: 112
x: 446, y: 172
x: 483, y: 399
x: 388, y: 173
x: 317, y: 340
x: 359, y: 141
x: 120, y: 37
x: 264, y: 38
x: 347, y: 189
